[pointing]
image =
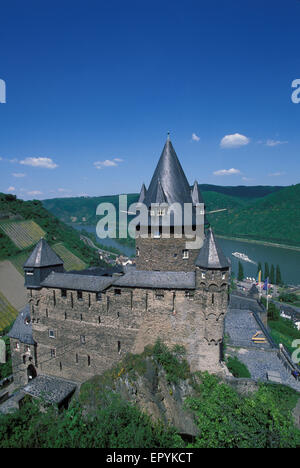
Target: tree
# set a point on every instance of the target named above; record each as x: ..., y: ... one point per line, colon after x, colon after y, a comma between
x: 273, y: 312
x: 267, y: 271
x: 240, y: 272
x: 278, y: 275
x: 272, y: 275
x: 259, y: 268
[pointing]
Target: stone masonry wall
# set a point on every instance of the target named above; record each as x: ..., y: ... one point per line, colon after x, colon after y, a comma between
x: 164, y: 254
x: 78, y: 338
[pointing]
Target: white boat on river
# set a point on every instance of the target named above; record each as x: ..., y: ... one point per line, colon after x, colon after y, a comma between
x: 243, y: 257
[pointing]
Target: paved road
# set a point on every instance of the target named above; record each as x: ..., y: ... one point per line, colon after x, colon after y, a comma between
x: 240, y: 326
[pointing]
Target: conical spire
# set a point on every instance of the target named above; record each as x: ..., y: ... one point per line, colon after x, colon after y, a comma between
x: 170, y: 175
x: 143, y: 193
x: 211, y: 254
x: 196, y: 194
x: 42, y: 256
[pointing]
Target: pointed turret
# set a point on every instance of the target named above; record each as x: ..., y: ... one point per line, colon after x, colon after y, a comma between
x: 211, y: 255
x: 40, y: 263
x: 143, y: 193
x: 196, y: 194
x: 169, y: 174
x: 160, y: 196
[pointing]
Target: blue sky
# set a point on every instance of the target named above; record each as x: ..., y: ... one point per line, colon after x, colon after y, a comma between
x: 93, y: 87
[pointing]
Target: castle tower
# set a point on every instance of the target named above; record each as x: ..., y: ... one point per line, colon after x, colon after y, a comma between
x: 40, y: 263
x: 212, y: 289
x: 168, y: 185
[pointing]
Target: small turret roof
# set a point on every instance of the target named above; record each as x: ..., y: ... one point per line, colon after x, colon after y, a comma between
x: 43, y: 256
x: 143, y: 193
x: 211, y: 254
x: 196, y: 194
x: 22, y: 328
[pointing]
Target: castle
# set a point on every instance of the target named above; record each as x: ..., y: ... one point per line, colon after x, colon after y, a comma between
x: 79, y: 324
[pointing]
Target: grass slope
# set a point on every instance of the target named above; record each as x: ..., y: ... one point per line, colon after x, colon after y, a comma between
x: 8, y: 313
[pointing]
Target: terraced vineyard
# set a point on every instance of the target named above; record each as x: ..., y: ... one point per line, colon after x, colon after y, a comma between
x: 71, y: 262
x: 22, y: 233
x: 7, y: 312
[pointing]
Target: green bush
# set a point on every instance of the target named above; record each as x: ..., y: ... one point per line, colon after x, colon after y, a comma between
x: 172, y: 361
x: 115, y: 425
x: 228, y: 420
x: 237, y: 368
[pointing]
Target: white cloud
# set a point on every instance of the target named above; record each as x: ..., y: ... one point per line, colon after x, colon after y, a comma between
x: 46, y: 163
x: 18, y: 174
x: 34, y: 192
x: 275, y: 142
x: 276, y: 174
x: 225, y: 172
x: 63, y: 190
x: 234, y: 141
x: 107, y: 163
x: 195, y: 137
x: 247, y: 179
x: 11, y: 189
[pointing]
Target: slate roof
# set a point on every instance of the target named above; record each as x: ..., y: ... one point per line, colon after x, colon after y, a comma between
x: 51, y: 389
x: 99, y: 271
x: 168, y: 179
x: 157, y: 279
x: 43, y: 256
x: 196, y: 194
x: 142, y: 194
x: 211, y: 254
x: 89, y: 283
x: 22, y: 327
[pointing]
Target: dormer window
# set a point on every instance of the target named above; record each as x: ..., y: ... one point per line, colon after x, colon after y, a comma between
x: 98, y: 297
x: 185, y: 254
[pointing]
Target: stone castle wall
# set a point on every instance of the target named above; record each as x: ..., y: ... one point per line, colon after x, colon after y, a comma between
x: 78, y: 338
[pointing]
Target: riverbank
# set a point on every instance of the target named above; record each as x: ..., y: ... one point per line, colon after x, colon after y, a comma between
x: 267, y: 244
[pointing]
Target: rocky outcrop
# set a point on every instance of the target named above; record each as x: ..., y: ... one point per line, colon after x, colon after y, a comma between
x: 147, y: 385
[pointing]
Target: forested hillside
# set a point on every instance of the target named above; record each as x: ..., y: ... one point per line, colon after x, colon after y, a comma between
x: 261, y: 213
x: 273, y: 218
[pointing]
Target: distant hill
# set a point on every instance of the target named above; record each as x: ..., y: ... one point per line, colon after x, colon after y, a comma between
x: 19, y: 235
x: 273, y: 218
x: 263, y: 213
x: 241, y: 191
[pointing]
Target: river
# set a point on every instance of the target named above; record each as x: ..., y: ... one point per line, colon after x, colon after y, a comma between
x: 287, y: 259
